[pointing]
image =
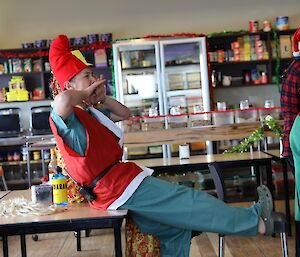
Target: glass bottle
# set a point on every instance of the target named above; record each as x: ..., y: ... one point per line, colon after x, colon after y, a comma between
x: 52, y: 166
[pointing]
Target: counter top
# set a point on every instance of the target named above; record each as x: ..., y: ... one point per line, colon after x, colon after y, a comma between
x: 23, y: 139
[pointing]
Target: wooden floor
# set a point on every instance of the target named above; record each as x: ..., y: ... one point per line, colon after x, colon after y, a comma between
x: 101, y: 244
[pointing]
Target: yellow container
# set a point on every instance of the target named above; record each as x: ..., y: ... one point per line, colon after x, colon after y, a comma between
x: 59, y: 186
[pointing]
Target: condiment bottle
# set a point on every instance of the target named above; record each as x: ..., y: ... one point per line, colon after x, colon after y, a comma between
x: 59, y: 186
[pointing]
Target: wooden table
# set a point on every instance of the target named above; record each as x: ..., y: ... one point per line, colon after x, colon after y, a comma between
x: 76, y: 217
x: 3, y: 193
x: 256, y: 159
x: 278, y: 157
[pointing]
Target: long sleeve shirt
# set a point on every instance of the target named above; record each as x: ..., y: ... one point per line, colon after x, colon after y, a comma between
x: 290, y: 102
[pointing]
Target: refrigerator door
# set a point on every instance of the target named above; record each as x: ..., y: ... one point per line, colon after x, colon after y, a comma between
x: 137, y: 75
x: 184, y: 72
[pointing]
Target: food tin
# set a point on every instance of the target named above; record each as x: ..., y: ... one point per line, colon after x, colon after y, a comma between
x: 253, y: 26
x: 282, y: 22
x: 267, y: 26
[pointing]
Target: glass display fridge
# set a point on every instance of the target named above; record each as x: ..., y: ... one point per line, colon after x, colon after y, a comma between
x: 162, y: 77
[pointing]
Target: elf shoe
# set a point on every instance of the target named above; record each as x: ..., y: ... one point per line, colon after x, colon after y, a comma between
x: 266, y: 202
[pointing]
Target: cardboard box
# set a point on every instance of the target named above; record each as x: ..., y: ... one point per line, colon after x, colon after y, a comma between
x: 100, y: 58
x: 285, y: 46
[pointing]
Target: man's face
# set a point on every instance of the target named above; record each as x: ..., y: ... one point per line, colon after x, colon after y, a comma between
x: 83, y: 79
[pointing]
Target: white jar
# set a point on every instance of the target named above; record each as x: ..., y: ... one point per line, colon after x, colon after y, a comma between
x: 184, y: 151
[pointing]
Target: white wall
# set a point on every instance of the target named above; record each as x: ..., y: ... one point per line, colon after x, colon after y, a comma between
x: 26, y: 21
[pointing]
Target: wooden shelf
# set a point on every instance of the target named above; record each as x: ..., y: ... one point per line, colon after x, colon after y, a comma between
x: 13, y: 163
x: 241, y: 62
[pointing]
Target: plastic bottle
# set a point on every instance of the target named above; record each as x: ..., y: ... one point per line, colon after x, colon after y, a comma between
x: 52, y: 166
x: 59, y: 187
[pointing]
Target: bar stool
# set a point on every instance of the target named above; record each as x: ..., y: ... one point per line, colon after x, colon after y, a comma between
x: 280, y: 223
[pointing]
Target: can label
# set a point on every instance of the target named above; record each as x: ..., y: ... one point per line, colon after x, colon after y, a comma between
x: 60, y: 196
x: 267, y: 26
x: 253, y: 26
x: 282, y: 22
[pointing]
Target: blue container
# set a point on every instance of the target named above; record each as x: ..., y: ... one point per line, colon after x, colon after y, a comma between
x: 282, y: 22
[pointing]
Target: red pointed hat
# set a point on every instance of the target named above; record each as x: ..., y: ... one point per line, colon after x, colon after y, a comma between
x: 63, y: 63
x: 296, y: 41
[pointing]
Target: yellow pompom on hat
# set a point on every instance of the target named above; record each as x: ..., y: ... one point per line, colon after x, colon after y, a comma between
x: 79, y: 55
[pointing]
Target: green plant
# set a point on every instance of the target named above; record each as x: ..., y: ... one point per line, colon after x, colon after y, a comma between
x: 257, y: 135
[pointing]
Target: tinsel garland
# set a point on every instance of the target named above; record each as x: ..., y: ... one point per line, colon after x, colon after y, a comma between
x: 277, y: 65
x: 43, y: 53
x: 257, y: 135
x: 225, y: 33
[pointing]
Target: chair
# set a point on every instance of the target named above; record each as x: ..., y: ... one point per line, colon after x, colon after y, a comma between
x: 280, y: 224
x: 3, y: 178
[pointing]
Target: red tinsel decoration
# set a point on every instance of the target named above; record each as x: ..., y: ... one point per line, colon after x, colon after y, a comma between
x: 176, y: 35
x: 43, y: 53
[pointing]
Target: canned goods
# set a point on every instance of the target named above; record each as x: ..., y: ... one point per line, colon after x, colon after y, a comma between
x: 36, y: 155
x: 282, y: 22
x: 266, y: 26
x: 253, y: 26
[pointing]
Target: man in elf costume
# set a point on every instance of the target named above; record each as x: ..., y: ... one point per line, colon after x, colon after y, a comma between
x: 290, y: 102
x: 91, y: 146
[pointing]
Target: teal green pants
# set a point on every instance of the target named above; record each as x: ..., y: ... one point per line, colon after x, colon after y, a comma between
x: 172, y: 212
x: 295, y: 146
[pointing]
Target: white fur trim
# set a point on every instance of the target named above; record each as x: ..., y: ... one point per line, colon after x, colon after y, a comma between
x: 130, y: 189
x: 296, y: 54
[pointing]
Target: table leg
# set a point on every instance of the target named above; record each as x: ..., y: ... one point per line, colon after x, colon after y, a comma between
x: 257, y: 175
x: 270, y: 180
x: 5, y: 246
x: 286, y: 195
x: 78, y: 239
x: 118, y: 246
x: 28, y: 169
x: 23, y: 245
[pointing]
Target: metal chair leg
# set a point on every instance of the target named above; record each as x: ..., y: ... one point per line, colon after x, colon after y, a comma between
x: 4, y: 183
x: 284, y: 247
x: 221, y: 245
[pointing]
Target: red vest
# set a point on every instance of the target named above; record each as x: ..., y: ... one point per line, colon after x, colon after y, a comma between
x: 102, y: 151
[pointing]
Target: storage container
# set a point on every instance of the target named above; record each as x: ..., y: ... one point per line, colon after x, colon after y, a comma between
x: 178, y: 121
x: 245, y: 116
x: 153, y: 123
x: 133, y: 124
x: 223, y: 117
x: 199, y: 119
x: 264, y: 112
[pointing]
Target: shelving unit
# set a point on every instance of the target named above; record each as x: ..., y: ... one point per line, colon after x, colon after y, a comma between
x: 16, y: 172
x: 224, y: 53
